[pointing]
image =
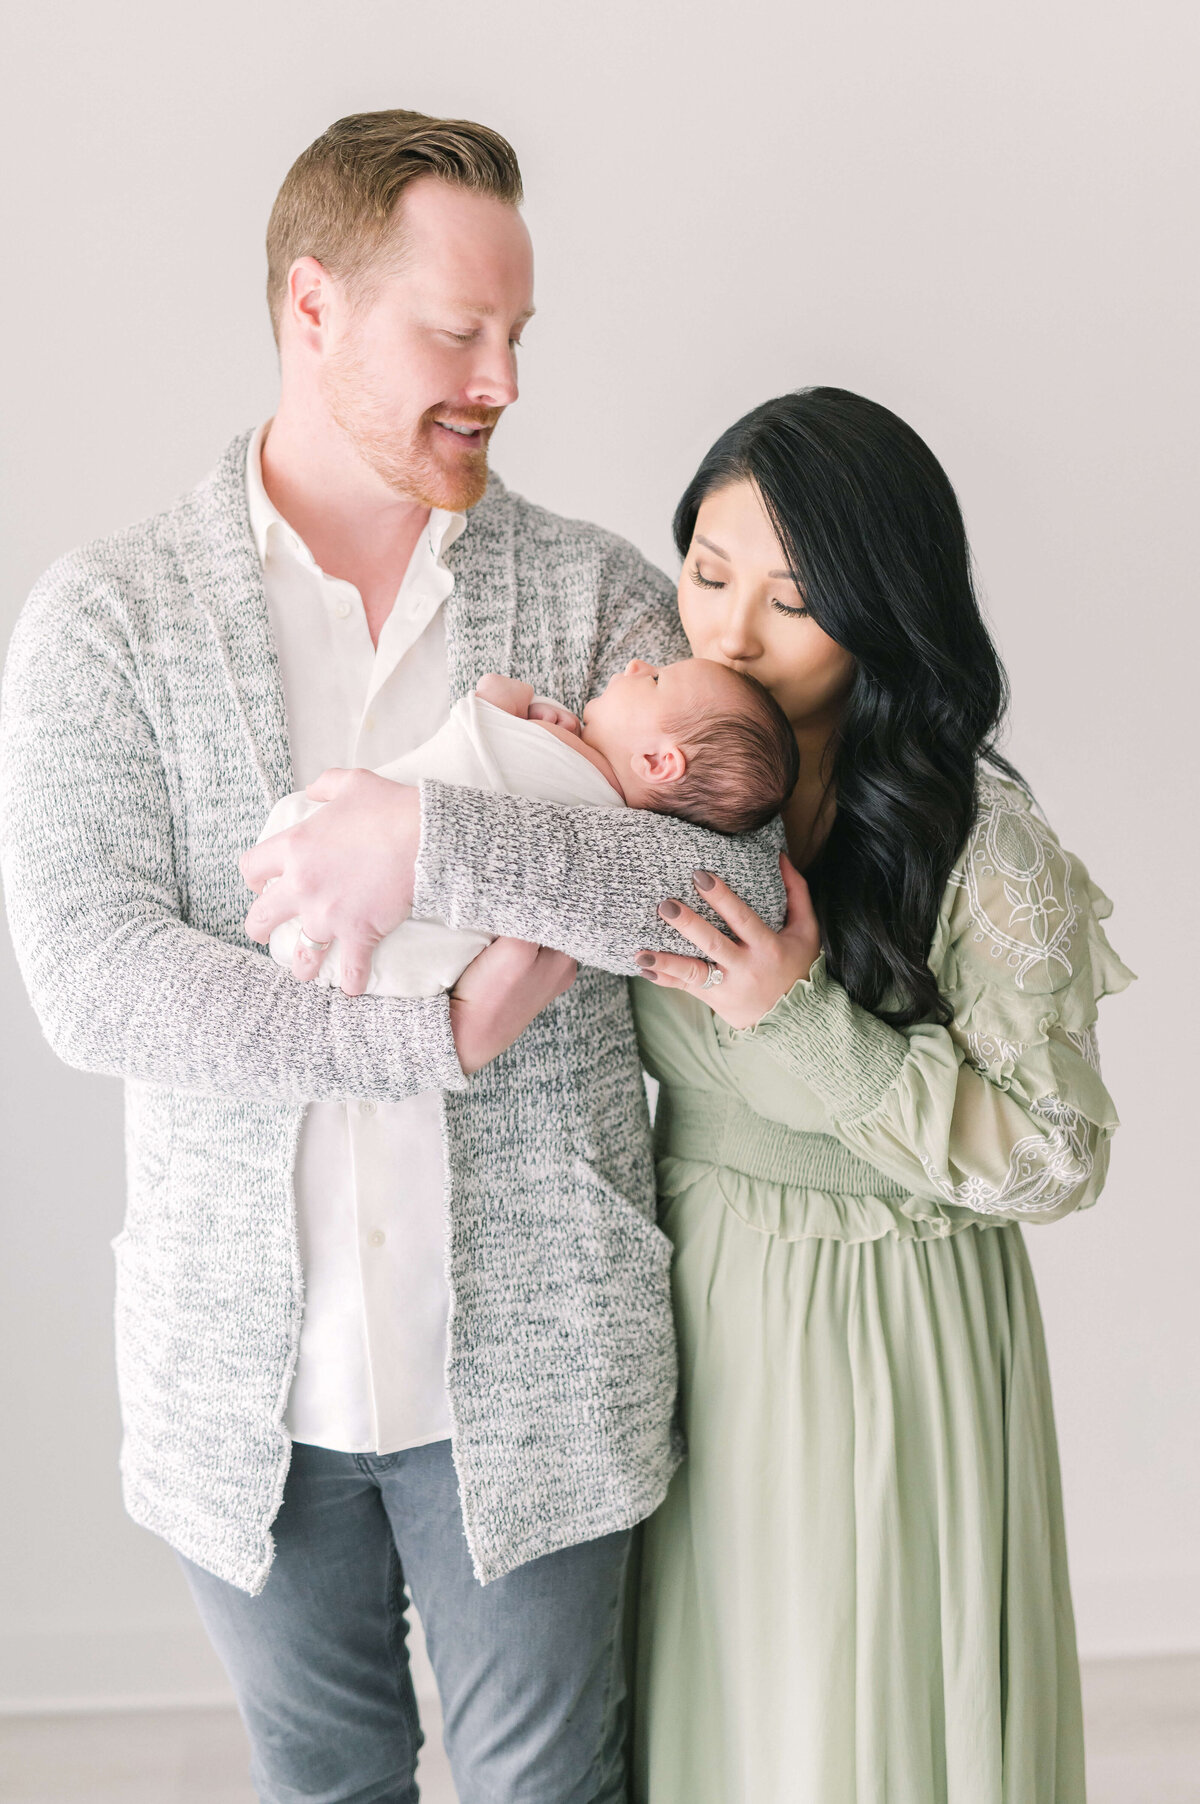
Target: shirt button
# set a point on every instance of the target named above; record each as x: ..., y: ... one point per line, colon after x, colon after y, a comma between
x: 376, y: 1237
x: 343, y: 610
x: 366, y: 1108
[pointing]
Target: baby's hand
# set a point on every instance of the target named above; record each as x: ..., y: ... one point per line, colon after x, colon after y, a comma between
x: 505, y: 692
x: 554, y: 716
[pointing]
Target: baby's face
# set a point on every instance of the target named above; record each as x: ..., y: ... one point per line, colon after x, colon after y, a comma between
x: 639, y: 712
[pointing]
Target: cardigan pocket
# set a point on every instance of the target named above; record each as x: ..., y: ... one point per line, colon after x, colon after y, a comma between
x: 620, y: 1264
x: 629, y: 1226
x: 149, y: 1142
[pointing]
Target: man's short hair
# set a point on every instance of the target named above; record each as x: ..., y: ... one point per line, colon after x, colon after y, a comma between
x: 338, y: 198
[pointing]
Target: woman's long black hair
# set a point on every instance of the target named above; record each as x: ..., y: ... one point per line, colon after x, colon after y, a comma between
x: 873, y: 534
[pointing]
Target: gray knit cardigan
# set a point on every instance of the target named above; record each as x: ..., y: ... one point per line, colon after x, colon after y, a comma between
x: 142, y: 738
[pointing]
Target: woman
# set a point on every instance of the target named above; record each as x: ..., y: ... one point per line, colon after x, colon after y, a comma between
x: 857, y: 1587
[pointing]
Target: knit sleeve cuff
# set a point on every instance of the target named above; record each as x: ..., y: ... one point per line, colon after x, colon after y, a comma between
x: 437, y: 1037
x: 430, y: 873
x: 392, y: 1047
x: 847, y: 1055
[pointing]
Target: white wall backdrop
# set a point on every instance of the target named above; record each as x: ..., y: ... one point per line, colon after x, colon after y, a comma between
x: 983, y: 217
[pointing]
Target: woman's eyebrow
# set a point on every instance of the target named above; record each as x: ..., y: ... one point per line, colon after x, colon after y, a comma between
x: 783, y: 576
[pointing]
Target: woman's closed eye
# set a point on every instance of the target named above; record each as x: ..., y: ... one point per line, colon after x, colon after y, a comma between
x: 702, y: 581
x: 711, y: 582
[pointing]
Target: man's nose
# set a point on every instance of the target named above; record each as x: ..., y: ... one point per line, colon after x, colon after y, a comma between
x: 493, y: 381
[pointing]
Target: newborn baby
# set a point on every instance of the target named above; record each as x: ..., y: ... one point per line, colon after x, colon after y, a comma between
x: 694, y: 739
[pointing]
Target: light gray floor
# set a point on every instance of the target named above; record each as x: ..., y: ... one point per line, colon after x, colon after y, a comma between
x: 1143, y: 1731
x: 1143, y: 1748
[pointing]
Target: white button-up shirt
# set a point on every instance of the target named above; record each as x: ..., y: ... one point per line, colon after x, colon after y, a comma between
x: 369, y: 1177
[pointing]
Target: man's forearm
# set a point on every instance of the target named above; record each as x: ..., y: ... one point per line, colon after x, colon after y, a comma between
x: 164, y: 1003
x: 585, y: 880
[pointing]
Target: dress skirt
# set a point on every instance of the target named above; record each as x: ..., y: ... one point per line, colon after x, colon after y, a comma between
x: 856, y: 1590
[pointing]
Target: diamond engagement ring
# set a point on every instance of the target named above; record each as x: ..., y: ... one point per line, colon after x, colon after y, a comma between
x: 715, y: 976
x: 315, y: 945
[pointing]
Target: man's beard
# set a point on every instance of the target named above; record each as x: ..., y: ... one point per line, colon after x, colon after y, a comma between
x: 406, y: 461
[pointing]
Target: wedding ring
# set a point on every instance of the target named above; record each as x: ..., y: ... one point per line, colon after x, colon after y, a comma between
x: 715, y: 976
x: 314, y: 945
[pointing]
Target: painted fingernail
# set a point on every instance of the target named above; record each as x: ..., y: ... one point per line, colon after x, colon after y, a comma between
x: 669, y: 909
x: 650, y: 976
x: 703, y: 879
x: 644, y: 960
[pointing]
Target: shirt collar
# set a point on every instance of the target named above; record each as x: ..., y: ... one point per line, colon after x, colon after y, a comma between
x: 440, y: 533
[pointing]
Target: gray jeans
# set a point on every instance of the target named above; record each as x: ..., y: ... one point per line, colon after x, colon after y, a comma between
x: 528, y: 1667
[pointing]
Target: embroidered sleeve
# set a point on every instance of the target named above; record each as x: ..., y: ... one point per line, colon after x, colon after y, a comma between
x: 1045, y: 1170
x: 1003, y: 1113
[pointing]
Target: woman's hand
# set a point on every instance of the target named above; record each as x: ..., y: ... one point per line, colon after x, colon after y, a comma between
x: 346, y: 872
x: 499, y: 994
x: 758, y: 966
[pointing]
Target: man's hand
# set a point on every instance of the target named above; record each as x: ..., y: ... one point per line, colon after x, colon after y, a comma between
x: 499, y: 994
x: 346, y: 872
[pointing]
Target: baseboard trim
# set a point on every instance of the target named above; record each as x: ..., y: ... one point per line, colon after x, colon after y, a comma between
x: 65, y: 1670
x: 105, y: 1703
x: 1137, y: 1617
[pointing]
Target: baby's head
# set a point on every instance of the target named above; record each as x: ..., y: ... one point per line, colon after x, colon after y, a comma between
x: 698, y: 740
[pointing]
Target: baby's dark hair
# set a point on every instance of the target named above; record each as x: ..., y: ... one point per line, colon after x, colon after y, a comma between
x: 741, y: 768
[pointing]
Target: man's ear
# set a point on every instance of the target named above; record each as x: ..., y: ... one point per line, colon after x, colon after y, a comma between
x: 666, y: 765
x: 307, y: 300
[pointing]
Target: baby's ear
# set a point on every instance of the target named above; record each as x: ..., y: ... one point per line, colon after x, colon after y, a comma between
x: 664, y: 766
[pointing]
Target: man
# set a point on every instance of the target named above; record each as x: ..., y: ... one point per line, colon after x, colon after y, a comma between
x: 391, y: 1304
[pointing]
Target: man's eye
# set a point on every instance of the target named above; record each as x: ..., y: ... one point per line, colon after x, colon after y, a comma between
x: 704, y: 582
x: 460, y: 338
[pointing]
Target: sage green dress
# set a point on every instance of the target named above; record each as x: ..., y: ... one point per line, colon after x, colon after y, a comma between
x: 856, y: 1590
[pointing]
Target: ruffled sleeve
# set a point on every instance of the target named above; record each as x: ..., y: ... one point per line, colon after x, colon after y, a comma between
x: 1004, y: 1113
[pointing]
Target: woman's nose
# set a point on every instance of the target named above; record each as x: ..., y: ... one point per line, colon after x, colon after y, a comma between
x: 736, y: 639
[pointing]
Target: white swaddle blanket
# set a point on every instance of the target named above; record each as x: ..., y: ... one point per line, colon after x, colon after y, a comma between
x: 478, y: 747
